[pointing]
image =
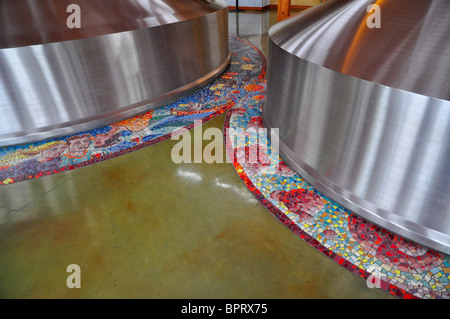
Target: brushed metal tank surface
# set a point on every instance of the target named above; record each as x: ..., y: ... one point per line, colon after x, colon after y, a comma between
x: 364, y: 113
x: 128, y: 57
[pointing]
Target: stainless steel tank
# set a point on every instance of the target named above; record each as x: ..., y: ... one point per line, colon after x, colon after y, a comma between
x: 361, y: 98
x: 126, y: 57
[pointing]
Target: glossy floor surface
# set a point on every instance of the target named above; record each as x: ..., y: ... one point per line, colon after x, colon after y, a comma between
x: 141, y: 226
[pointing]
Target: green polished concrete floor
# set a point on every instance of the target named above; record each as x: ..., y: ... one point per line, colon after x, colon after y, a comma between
x: 141, y: 226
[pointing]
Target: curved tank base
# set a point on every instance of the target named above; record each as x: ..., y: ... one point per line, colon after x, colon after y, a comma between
x: 127, y: 57
x: 364, y: 114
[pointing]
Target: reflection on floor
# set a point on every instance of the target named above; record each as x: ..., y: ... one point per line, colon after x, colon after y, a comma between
x: 141, y: 226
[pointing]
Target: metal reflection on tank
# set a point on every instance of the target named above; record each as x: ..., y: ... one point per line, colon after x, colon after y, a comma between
x: 129, y: 56
x: 364, y: 113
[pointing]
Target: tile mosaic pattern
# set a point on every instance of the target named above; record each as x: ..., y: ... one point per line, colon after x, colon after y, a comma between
x: 24, y: 162
x: 401, y: 267
x: 384, y: 259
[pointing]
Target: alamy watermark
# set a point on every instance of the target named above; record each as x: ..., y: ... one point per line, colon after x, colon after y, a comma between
x: 249, y: 146
x: 74, y: 279
x: 74, y: 19
x: 376, y: 277
x: 374, y: 18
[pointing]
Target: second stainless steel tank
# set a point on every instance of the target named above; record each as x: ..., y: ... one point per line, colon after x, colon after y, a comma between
x: 363, y: 111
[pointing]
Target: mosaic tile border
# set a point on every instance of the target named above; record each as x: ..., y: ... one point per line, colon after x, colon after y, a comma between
x: 403, y: 268
x: 24, y: 162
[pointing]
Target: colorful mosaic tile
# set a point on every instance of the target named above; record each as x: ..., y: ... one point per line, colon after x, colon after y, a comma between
x: 23, y: 162
x: 386, y: 260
